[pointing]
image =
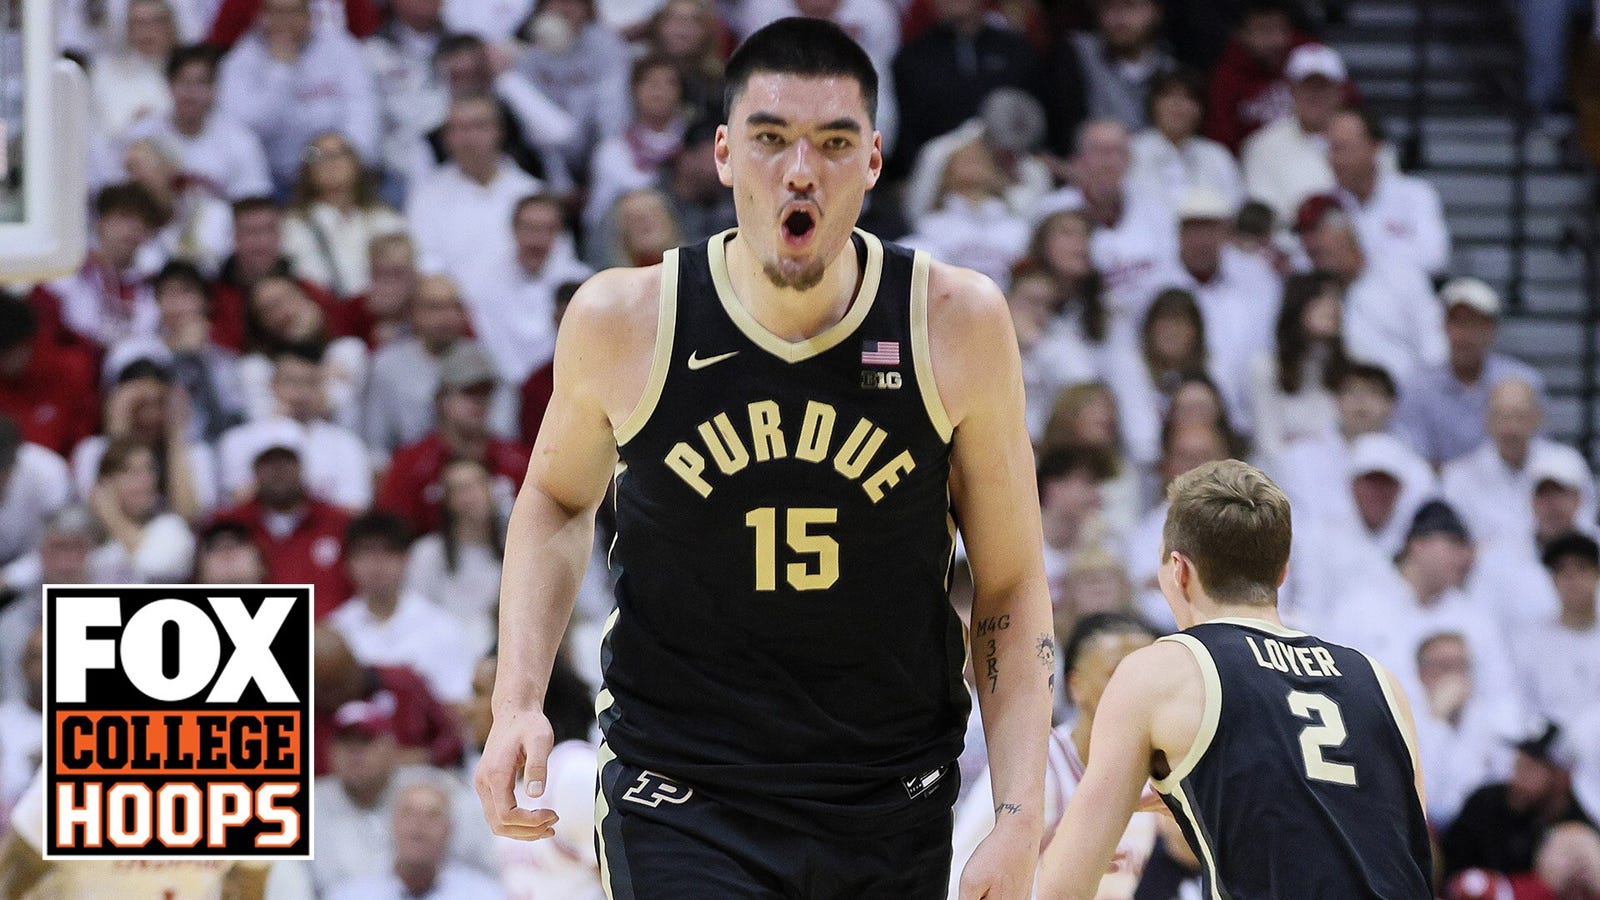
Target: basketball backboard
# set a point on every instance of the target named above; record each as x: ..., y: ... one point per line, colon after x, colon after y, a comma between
x: 43, y: 169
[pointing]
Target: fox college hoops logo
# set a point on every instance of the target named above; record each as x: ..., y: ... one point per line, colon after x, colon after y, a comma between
x: 177, y: 721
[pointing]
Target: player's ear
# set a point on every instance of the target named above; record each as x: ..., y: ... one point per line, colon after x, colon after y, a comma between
x: 720, y: 151
x: 1283, y: 575
x: 875, y: 160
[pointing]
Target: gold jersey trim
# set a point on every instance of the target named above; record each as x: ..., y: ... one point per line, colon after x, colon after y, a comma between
x: 1209, y: 716
x: 661, y: 360
x: 921, y: 355
x: 1207, y: 857
x: 795, y: 351
x: 1389, y: 697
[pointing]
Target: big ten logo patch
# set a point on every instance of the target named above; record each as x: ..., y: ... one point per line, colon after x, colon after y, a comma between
x: 178, y: 721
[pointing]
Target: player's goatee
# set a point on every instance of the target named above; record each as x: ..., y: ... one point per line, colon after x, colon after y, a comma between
x: 805, y: 280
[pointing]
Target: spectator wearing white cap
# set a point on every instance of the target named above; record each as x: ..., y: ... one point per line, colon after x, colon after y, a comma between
x: 1170, y: 154
x: 335, y: 459
x: 1391, y: 316
x: 1493, y: 484
x: 1464, y: 733
x: 1239, y: 295
x: 1389, y: 613
x: 1510, y: 577
x: 1558, y: 655
x: 1287, y: 161
x: 1442, y: 406
x: 1353, y: 532
x: 1393, y: 212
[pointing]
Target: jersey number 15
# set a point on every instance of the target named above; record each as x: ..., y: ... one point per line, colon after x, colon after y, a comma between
x: 817, y: 574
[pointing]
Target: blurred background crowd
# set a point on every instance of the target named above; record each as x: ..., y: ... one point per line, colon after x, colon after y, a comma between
x: 332, y: 241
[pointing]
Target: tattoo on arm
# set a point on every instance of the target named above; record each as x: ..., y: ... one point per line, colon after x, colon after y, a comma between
x: 1008, y: 808
x: 1046, y: 650
x: 990, y: 627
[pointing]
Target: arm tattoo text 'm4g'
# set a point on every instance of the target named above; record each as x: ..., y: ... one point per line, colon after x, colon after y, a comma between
x: 990, y: 627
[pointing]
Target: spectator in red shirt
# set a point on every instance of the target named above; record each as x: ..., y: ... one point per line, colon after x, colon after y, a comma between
x: 426, y: 730
x: 301, y: 538
x: 234, y: 18
x: 541, y: 384
x: 411, y: 489
x: 258, y: 253
x: 48, y: 391
x: 1248, y: 87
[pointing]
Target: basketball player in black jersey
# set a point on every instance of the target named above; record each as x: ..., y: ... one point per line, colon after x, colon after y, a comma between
x: 796, y: 415
x: 1289, y: 763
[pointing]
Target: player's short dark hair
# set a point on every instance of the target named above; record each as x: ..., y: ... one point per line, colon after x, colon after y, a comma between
x: 244, y: 206
x: 377, y: 530
x: 189, y: 54
x: 1096, y: 624
x: 1232, y: 522
x: 1368, y: 372
x: 18, y: 321
x: 1569, y: 545
x: 800, y: 46
x: 128, y: 199
x: 1066, y: 461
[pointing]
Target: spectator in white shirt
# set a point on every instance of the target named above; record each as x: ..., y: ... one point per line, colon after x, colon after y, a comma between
x: 421, y: 868
x: 96, y: 27
x: 1558, y: 656
x: 147, y: 544
x: 1171, y: 156
x: 1492, y: 484
x: 107, y: 301
x: 1442, y: 407
x: 457, y: 568
x: 289, y: 83
x: 581, y: 64
x: 1287, y: 161
x: 634, y: 159
x: 333, y: 217
x: 1464, y: 733
x: 1364, y: 396
x: 401, y: 56
x: 971, y: 225
x: 457, y: 214
x: 534, y: 130
x: 195, y: 225
x: 128, y: 83
x: 1393, y: 213
x: 1012, y: 124
x: 386, y: 625
x: 34, y: 485
x: 1291, y: 388
x: 1061, y: 248
x: 22, y: 723
x: 398, y: 407
x: 1390, y: 614
x: 283, y: 316
x: 1391, y: 316
x: 495, y: 21
x: 335, y: 460
x: 1134, y: 243
x: 1085, y: 415
x: 215, y: 149
x: 1509, y: 576
x: 63, y: 557
x: 1171, y: 350
x: 511, y: 297
x: 1053, y: 356
x: 1239, y: 295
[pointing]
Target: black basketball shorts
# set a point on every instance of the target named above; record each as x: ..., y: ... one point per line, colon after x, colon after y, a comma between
x: 660, y: 839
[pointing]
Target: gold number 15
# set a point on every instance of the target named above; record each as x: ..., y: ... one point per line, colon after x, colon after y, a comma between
x: 801, y: 576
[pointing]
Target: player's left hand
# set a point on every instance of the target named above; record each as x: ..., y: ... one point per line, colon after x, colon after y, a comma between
x: 1002, y: 867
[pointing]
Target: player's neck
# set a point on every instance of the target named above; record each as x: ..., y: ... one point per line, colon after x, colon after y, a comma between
x: 790, y: 314
x: 1210, y: 612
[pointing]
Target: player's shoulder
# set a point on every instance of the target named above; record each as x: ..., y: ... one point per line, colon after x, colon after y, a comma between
x: 961, y: 293
x: 614, y: 305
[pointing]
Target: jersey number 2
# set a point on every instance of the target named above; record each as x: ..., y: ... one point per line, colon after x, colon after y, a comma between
x: 801, y: 575
x: 1327, y: 730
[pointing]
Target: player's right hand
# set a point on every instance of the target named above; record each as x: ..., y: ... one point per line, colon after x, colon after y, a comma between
x: 519, y: 743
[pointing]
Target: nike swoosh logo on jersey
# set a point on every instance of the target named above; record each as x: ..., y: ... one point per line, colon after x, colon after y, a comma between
x: 695, y: 362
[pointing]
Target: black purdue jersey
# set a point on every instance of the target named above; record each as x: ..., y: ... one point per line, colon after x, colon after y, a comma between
x: 1301, y: 780
x: 783, y: 637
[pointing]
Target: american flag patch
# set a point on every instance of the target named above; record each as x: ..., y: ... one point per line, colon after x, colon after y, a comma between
x: 880, y: 353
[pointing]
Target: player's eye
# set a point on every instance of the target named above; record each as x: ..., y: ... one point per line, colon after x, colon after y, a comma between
x: 836, y: 143
x: 768, y: 138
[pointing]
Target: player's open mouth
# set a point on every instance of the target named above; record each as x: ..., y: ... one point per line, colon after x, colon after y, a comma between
x: 798, y: 226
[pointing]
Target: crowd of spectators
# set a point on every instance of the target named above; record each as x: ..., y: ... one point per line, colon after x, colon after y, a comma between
x: 332, y: 241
